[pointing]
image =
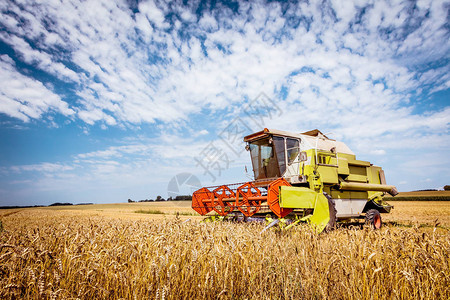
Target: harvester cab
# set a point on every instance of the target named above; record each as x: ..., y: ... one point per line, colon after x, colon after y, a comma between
x: 303, y: 175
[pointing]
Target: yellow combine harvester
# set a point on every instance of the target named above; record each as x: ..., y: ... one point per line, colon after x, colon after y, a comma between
x: 307, y: 176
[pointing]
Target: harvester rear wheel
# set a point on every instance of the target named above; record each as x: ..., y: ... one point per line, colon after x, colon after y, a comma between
x: 332, y: 210
x: 373, y: 218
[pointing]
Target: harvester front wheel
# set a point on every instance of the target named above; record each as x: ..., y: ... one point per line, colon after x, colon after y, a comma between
x: 373, y: 218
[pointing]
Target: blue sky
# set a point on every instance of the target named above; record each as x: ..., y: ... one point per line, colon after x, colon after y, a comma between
x: 101, y: 101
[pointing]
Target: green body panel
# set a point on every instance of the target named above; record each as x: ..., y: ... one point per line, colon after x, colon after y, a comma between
x: 374, y: 177
x: 296, y: 197
x: 357, y: 170
x: 321, y: 214
x: 301, y: 197
x: 328, y: 174
x: 348, y: 194
x: 333, y: 168
x: 359, y: 163
x: 357, y: 178
x: 343, y: 168
x: 374, y: 174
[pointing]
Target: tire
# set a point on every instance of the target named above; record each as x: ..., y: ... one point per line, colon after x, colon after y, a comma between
x: 373, y: 218
x: 332, y: 210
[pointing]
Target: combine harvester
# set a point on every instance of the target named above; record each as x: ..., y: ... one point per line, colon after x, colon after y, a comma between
x: 307, y: 177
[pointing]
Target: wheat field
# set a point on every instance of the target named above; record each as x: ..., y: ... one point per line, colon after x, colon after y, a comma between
x: 90, y: 254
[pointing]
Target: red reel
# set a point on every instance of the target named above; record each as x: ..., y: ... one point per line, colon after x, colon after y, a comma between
x: 273, y: 200
x: 245, y: 199
x: 221, y: 201
x: 201, y: 201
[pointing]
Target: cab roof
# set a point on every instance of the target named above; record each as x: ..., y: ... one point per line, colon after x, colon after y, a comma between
x: 311, y: 139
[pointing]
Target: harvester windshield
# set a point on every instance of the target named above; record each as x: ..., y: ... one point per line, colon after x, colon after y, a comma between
x: 264, y: 161
x: 269, y: 155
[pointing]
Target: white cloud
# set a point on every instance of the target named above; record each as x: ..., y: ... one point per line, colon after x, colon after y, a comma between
x: 25, y: 98
x: 117, y: 151
x: 378, y: 152
x: 125, y: 80
x: 153, y: 13
x: 42, y: 168
x: 203, y: 132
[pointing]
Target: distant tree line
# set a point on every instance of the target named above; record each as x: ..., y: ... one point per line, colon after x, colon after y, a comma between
x: 53, y: 204
x: 67, y: 203
x: 183, y: 198
x: 446, y: 188
x: 60, y: 204
x: 159, y: 198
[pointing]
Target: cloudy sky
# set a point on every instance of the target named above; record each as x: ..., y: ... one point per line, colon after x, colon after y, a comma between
x: 101, y: 101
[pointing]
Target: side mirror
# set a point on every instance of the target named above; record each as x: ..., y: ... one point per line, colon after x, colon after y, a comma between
x: 247, y: 147
x: 303, y: 156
